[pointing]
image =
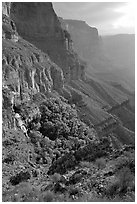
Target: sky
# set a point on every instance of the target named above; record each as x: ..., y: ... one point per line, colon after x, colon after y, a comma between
x: 107, y: 17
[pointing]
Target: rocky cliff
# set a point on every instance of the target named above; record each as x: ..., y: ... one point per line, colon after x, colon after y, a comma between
x: 38, y: 24
x: 26, y: 70
x: 8, y: 26
x: 6, y: 8
x: 85, y: 38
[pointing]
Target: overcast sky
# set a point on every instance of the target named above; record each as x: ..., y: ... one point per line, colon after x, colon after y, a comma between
x: 108, y: 17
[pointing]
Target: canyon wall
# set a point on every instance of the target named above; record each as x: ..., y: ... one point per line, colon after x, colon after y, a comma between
x: 38, y: 24
x: 85, y: 38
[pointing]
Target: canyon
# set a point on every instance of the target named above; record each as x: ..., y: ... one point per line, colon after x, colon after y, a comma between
x: 51, y: 70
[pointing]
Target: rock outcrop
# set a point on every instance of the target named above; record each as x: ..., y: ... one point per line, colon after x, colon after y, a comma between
x: 6, y: 8
x: 8, y: 27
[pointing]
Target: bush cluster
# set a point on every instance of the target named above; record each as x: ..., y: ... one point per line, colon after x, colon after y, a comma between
x: 124, y: 182
x: 59, y: 119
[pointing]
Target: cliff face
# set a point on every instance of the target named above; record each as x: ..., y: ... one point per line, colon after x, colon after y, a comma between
x: 6, y: 8
x: 26, y: 70
x: 38, y: 24
x: 8, y: 26
x: 85, y: 38
x: 86, y: 41
x: 23, y: 62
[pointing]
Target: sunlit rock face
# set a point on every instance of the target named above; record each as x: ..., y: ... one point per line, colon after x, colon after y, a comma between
x: 38, y: 24
x: 25, y: 67
x: 8, y: 26
x: 6, y: 8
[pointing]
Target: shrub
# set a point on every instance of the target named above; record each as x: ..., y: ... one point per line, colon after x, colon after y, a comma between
x: 55, y: 177
x: 125, y: 161
x: 58, y: 120
x: 47, y: 196
x: 74, y: 191
x: 9, y: 159
x: 112, y: 190
x: 126, y: 179
x: 86, y: 164
x: 20, y: 177
x: 123, y: 183
x: 24, y: 192
x: 101, y: 163
x: 94, y: 198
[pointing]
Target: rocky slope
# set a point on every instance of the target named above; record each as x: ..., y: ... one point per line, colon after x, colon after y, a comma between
x: 56, y: 102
